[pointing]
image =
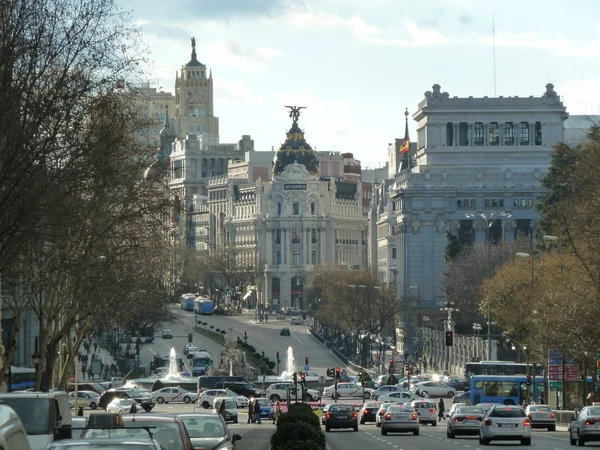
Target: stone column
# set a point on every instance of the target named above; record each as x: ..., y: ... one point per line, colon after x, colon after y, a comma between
x: 501, y: 134
x: 269, y: 238
x: 285, y: 245
x: 308, y: 246
x: 321, y: 243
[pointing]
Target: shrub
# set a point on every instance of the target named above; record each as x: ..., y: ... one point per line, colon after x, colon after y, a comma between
x: 204, y: 323
x: 212, y: 326
x: 302, y: 408
x: 271, y: 365
x: 157, y: 385
x: 298, y: 429
x: 218, y: 330
x: 223, y: 332
x: 257, y: 356
x: 251, y: 349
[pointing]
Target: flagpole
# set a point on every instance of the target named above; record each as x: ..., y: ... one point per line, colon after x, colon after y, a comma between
x: 406, y: 138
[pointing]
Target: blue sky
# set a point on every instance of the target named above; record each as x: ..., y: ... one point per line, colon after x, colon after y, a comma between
x: 356, y: 64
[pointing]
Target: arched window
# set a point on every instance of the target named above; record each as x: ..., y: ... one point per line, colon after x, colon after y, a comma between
x: 472, y: 203
x: 458, y: 204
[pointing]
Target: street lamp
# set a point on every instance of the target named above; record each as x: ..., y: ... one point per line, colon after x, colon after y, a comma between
x: 489, y: 221
x: 449, y: 309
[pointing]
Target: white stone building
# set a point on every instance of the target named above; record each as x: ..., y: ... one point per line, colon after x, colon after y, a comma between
x: 473, y: 155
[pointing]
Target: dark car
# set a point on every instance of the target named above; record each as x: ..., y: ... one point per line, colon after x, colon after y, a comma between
x: 167, y: 334
x: 465, y: 397
x: 168, y: 431
x: 368, y: 412
x: 103, y: 444
x: 245, y: 389
x: 146, y: 403
x: 207, y: 430
x: 341, y: 416
x: 284, y: 332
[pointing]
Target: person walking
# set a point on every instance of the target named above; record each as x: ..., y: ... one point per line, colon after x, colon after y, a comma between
x: 89, y: 371
x: 222, y: 409
x: 441, y: 410
x: 257, y: 411
x: 95, y: 347
x: 83, y: 369
x: 250, y: 411
x: 277, y: 411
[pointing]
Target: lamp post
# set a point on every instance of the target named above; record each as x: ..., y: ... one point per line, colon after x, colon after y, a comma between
x: 35, y: 357
x: 368, y: 334
x: 449, y: 309
x: 489, y: 221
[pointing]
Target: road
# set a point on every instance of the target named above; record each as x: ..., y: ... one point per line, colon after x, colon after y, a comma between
x: 263, y: 336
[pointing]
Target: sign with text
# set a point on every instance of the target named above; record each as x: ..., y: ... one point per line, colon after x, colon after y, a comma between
x: 294, y: 186
x: 555, y: 385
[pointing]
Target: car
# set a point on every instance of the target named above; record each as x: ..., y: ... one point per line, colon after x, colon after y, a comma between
x: 293, y: 310
x: 347, y: 390
x: 464, y: 420
x: 231, y: 408
x: 186, y: 347
x: 503, y: 423
x: 487, y: 406
x: 168, y: 430
x: 241, y: 388
x: 117, y: 381
x: 85, y: 399
x: 103, y: 444
x: 456, y: 405
x: 541, y: 416
x: 174, y: 394
x: 368, y: 413
x: 284, y: 332
x: 144, y: 398
x: 296, y: 321
x: 585, y: 426
x: 381, y: 411
x: 383, y: 390
x: 433, y: 389
x: 191, y: 351
x: 324, y: 410
x: 167, y: 334
x: 207, y: 429
x: 460, y: 384
x: 341, y: 415
x: 278, y: 391
x: 207, y: 397
x: 399, y: 397
x: 266, y: 407
x: 426, y: 410
x: 465, y: 397
x: 122, y: 406
x: 400, y: 418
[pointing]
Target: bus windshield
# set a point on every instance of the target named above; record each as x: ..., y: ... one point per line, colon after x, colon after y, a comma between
x: 33, y: 412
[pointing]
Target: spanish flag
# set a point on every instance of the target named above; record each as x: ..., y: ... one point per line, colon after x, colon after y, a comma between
x: 405, y: 146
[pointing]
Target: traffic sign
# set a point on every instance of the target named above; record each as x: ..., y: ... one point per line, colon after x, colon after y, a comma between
x: 554, y: 369
x: 556, y: 385
x: 554, y: 376
x: 306, y: 368
x: 555, y: 361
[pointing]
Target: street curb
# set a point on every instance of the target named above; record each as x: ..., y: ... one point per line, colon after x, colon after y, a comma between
x: 198, y: 330
x: 333, y: 353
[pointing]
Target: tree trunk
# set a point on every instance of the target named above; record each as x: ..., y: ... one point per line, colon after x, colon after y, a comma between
x: 366, y: 351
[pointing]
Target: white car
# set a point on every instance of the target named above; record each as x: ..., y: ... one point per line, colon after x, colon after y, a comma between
x: 208, y: 397
x: 427, y: 411
x: 174, y: 394
x: 433, y: 389
x: 296, y: 321
x: 347, y: 390
x: 384, y: 390
x: 85, y: 399
x: 398, y: 397
x: 400, y: 418
x: 278, y: 391
x: 116, y: 381
x: 123, y: 406
x: 541, y: 416
x: 504, y: 423
x: 381, y: 411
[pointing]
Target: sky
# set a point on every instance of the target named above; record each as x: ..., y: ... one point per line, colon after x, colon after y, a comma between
x: 357, y: 64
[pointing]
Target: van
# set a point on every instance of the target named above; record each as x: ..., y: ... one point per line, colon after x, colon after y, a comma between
x: 46, y: 416
x: 12, y: 432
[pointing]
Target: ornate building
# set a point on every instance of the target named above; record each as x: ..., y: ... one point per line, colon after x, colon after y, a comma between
x: 291, y: 223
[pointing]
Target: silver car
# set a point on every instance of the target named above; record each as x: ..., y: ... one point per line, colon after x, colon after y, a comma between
x: 585, y: 426
x: 464, y: 420
x: 541, y: 416
x: 400, y: 418
x: 505, y: 423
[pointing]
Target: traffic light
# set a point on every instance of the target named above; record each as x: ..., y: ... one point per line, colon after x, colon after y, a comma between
x: 528, y: 380
x: 330, y: 373
x: 277, y: 354
x: 306, y: 360
x: 190, y: 337
x: 449, y: 338
x: 337, y: 372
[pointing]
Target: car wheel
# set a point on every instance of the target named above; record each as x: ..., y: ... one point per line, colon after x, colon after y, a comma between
x: 580, y: 441
x: 367, y: 395
x: 450, y: 434
x: 416, y: 432
x: 552, y: 428
x: 355, y: 428
x: 147, y: 408
x: 434, y: 424
x: 451, y: 394
x: 235, y: 420
x: 526, y: 441
x: 275, y: 398
x: 335, y: 396
x: 378, y: 424
x: 572, y: 440
x: 480, y: 440
x: 383, y: 431
x: 486, y: 441
x: 205, y: 404
x: 362, y: 422
x: 93, y: 405
x: 160, y: 400
x: 327, y: 429
x: 187, y: 399
x: 309, y: 398
x: 120, y: 412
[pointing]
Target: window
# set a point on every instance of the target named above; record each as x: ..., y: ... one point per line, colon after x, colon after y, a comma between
x: 509, y: 133
x: 458, y: 203
x: 487, y: 203
x: 178, y: 166
x: 449, y: 134
x: 314, y: 257
x: 466, y: 201
x: 204, y: 128
x: 296, y: 257
x: 313, y: 234
x: 202, y: 112
x: 193, y: 111
x: 494, y: 203
x: 494, y: 133
x: 463, y: 134
x: 278, y: 257
x: 278, y: 236
x: 393, y: 253
x: 501, y: 203
x: 523, y: 202
x: 312, y: 208
x: 538, y: 133
x: 296, y: 236
x: 472, y: 203
x: 278, y: 208
x: 296, y: 208
x: 523, y: 133
x: 478, y: 133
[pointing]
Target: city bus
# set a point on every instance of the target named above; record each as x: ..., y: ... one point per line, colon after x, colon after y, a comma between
x: 204, y: 306
x: 21, y: 378
x: 501, y: 368
x: 505, y: 389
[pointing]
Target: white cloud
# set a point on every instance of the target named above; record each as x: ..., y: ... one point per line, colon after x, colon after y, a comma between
x: 232, y: 53
x: 308, y: 17
x: 581, y: 96
x: 236, y: 91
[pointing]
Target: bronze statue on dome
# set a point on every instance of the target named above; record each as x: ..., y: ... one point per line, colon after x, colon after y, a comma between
x: 193, y: 42
x: 295, y: 112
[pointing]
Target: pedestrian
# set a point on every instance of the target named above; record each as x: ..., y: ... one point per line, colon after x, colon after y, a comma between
x: 83, y: 369
x: 80, y: 411
x: 133, y: 408
x: 89, y: 371
x: 222, y: 409
x: 590, y: 399
x: 257, y: 411
x: 441, y: 409
x: 542, y: 399
x: 95, y: 347
x: 277, y: 411
x: 250, y: 411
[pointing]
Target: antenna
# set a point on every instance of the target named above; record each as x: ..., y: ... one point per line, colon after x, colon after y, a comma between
x: 494, y: 50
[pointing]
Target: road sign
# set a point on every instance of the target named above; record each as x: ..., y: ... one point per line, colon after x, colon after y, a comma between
x: 554, y: 369
x: 555, y: 361
x: 554, y: 376
x: 556, y: 385
x: 306, y: 368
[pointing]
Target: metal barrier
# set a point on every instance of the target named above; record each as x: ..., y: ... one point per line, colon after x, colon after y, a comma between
x: 564, y: 417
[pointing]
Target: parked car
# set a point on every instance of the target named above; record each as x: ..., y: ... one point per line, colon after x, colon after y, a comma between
x: 541, y: 416
x: 464, y: 420
x: 85, y: 399
x: 296, y: 321
x: 584, y: 427
x: 207, y: 429
x: 383, y: 390
x: 167, y: 334
x: 231, y: 408
x: 144, y: 398
x: 400, y: 418
x: 368, y: 412
x: 341, y: 416
x: 284, y: 332
x: 278, y: 391
x: 426, y: 410
x: 174, y: 394
x: 433, y: 389
x: 122, y: 406
x: 293, y: 311
x: 503, y: 423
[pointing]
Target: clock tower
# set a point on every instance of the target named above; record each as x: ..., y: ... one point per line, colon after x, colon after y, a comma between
x: 194, y: 102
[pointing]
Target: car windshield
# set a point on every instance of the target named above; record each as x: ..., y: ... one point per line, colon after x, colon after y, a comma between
x: 204, y: 426
x: 540, y: 408
x: 398, y: 408
x: 469, y: 410
x: 341, y: 408
x: 33, y: 412
x: 594, y: 411
x: 507, y: 412
x: 264, y: 401
x: 371, y: 404
x: 166, y: 434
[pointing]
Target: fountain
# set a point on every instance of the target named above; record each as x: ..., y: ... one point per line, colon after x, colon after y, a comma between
x: 290, y: 367
x: 173, y: 369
